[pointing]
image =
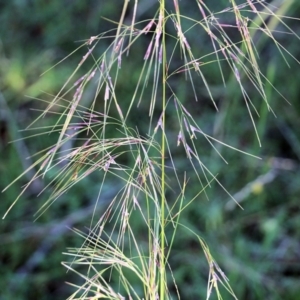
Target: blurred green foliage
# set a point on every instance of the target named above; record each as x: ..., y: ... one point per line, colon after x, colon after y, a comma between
x: 258, y: 247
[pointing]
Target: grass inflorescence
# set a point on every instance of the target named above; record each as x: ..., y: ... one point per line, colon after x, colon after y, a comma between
x: 96, y: 135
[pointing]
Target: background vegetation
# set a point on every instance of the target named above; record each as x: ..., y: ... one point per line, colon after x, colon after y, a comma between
x: 257, y: 247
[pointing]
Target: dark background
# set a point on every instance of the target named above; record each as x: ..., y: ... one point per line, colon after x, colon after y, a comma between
x: 258, y: 247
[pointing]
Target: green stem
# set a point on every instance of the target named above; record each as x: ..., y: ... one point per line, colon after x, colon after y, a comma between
x: 162, y: 235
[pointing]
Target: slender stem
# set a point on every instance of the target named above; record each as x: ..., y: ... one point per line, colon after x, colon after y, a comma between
x: 162, y: 234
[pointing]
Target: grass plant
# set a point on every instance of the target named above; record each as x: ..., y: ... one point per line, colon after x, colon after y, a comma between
x: 96, y: 134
